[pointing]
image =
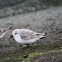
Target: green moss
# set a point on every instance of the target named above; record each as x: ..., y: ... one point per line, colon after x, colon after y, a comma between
x: 31, y: 55
x: 12, y: 58
x: 30, y: 52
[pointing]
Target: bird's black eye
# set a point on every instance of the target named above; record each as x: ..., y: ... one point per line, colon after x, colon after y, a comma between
x: 15, y: 33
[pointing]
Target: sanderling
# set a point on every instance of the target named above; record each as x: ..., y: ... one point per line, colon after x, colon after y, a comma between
x: 26, y: 36
x: 3, y: 31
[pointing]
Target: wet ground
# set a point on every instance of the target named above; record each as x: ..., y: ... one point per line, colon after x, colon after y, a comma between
x: 48, y: 49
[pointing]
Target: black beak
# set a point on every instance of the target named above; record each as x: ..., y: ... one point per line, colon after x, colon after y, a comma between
x: 11, y: 36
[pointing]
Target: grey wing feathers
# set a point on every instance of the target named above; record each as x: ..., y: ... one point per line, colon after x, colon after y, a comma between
x: 3, y: 29
x: 26, y: 35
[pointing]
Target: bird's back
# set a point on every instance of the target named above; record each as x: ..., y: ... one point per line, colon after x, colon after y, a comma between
x: 27, y: 34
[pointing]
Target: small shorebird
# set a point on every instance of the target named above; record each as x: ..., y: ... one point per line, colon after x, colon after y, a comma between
x: 26, y: 36
x: 3, y: 31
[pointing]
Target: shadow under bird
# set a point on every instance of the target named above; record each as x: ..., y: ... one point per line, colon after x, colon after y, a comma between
x: 26, y: 36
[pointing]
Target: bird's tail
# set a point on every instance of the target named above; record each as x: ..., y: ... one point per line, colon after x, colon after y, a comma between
x: 9, y: 28
x: 6, y: 29
x: 41, y: 35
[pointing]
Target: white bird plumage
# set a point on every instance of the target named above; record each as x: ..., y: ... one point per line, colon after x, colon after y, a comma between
x: 26, y: 36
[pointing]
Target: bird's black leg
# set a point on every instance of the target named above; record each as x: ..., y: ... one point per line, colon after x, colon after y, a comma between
x: 28, y: 44
x: 23, y: 45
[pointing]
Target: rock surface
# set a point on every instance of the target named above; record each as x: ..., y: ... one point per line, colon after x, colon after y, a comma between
x: 49, y: 21
x: 13, y: 7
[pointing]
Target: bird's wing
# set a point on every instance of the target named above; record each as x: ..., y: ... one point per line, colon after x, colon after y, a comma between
x: 28, y: 34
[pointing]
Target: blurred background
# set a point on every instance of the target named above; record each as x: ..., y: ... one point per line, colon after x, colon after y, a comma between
x: 39, y: 16
x: 13, y: 7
